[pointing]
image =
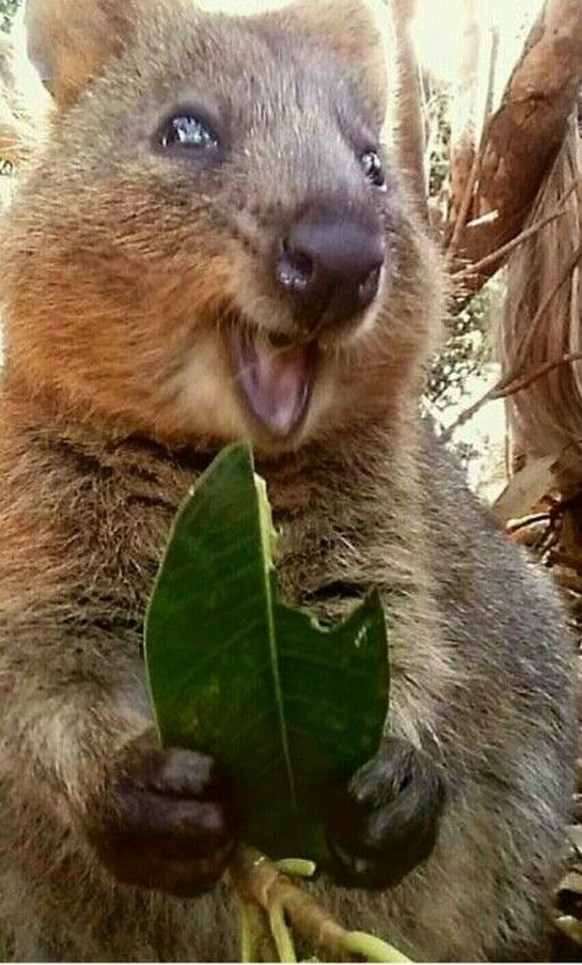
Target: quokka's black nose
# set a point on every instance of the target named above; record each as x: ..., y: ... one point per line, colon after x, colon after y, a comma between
x: 330, y: 266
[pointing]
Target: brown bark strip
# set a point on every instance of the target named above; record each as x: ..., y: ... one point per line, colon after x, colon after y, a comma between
x: 496, y: 257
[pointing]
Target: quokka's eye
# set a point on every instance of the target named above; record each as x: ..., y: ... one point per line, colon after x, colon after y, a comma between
x: 187, y: 130
x: 373, y: 169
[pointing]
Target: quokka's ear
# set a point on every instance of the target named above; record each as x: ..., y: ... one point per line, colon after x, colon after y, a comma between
x: 359, y: 32
x: 69, y: 41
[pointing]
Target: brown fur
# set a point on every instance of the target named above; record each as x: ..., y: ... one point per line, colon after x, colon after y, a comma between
x: 119, y: 274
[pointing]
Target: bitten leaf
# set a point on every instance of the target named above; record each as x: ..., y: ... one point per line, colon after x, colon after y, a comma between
x: 286, y: 705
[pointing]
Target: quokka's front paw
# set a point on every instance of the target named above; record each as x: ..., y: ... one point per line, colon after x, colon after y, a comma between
x: 385, y: 821
x: 163, y: 820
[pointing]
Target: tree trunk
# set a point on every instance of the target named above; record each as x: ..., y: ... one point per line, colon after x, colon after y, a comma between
x: 521, y: 139
x: 411, y: 139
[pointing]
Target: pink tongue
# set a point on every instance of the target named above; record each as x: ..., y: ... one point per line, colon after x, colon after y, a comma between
x: 275, y: 382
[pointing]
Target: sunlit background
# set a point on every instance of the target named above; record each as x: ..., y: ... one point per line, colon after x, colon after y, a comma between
x: 439, y: 31
x: 472, y: 45
x: 454, y: 40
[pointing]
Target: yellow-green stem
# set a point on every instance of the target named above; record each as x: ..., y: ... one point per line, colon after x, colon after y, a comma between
x: 282, y: 935
x: 296, y: 867
x: 372, y: 948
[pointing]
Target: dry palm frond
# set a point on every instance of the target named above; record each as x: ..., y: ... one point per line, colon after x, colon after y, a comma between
x: 542, y: 320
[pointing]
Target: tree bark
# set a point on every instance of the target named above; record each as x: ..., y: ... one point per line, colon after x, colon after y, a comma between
x: 411, y: 139
x: 521, y: 139
x: 465, y: 124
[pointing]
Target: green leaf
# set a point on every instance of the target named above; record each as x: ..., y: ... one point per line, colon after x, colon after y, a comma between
x: 286, y: 705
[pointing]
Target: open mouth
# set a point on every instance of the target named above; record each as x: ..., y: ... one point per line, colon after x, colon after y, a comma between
x: 275, y: 376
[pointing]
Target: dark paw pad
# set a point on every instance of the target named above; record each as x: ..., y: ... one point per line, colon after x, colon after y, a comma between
x: 385, y: 821
x: 165, y: 820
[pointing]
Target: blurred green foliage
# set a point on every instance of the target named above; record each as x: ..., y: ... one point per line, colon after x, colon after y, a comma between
x: 467, y: 345
x: 7, y: 10
x: 466, y: 350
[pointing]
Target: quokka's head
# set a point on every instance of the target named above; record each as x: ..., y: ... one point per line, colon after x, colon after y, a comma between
x: 215, y: 242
